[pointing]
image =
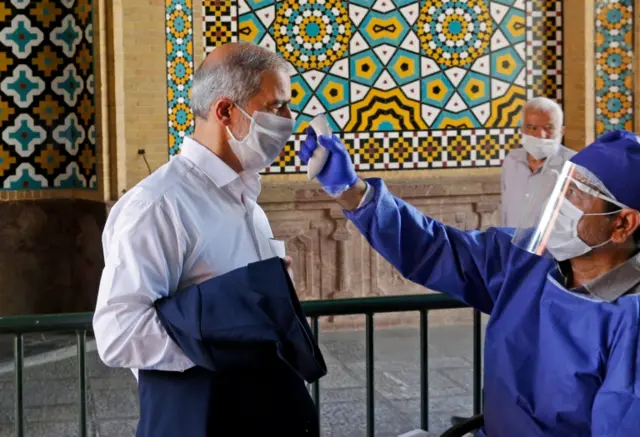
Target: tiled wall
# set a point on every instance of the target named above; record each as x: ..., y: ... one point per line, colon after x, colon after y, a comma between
x: 614, y: 78
x: 47, y: 95
x: 410, y: 84
x: 180, y: 65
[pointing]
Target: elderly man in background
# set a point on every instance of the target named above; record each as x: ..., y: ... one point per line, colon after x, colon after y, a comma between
x: 523, y: 169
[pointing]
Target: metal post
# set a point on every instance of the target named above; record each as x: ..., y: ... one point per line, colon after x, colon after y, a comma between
x: 18, y: 351
x: 424, y: 370
x: 477, y: 362
x: 82, y: 381
x: 315, y: 328
x: 370, y: 374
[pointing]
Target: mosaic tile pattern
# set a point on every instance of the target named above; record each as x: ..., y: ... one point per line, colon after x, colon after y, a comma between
x: 401, y: 65
x: 614, y: 65
x: 180, y: 67
x: 414, y: 150
x: 410, y: 69
x: 545, y: 49
x: 47, y: 95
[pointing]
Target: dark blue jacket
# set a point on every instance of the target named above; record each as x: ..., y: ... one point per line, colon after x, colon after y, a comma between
x: 253, y: 349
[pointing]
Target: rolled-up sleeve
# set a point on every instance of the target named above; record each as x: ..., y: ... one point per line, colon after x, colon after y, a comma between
x: 144, y: 254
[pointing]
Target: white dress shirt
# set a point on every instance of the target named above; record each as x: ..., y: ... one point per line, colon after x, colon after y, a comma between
x: 191, y: 220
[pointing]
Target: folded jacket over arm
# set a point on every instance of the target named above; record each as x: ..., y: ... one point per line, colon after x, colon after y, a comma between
x: 252, y: 347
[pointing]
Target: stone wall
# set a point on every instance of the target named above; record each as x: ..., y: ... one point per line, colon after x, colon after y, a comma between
x: 50, y: 255
x: 331, y: 258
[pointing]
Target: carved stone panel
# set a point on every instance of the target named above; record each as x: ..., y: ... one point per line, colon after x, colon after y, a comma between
x: 331, y: 259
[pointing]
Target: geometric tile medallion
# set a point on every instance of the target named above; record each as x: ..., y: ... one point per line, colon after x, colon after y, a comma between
x: 47, y: 95
x: 179, y: 30
x: 614, y: 65
x: 408, y: 84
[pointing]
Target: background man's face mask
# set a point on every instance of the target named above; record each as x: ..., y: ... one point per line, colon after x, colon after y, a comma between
x: 268, y: 134
x: 540, y: 148
x: 564, y: 242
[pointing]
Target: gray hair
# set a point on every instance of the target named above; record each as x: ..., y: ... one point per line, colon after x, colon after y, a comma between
x: 237, y: 77
x: 546, y: 105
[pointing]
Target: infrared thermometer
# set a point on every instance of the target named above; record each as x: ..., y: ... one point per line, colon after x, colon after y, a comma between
x: 320, y: 155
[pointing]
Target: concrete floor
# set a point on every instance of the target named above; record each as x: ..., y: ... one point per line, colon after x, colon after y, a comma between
x: 51, y: 405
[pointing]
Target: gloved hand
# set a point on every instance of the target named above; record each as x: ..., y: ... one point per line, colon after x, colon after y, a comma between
x: 338, y: 174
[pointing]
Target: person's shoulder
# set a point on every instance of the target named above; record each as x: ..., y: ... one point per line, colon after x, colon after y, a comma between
x: 161, y: 185
x: 517, y: 154
x: 155, y: 193
x: 565, y: 152
x: 514, y: 156
x: 557, y: 160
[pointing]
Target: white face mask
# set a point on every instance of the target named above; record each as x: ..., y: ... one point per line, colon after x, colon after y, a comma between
x: 268, y: 134
x: 540, y: 148
x: 564, y: 242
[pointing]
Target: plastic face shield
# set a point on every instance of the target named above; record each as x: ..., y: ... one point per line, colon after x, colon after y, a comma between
x: 566, y: 196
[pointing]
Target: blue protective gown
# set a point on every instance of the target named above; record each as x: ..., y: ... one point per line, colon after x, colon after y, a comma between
x: 557, y: 363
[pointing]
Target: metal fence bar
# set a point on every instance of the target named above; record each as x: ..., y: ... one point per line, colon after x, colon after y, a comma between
x: 424, y: 370
x: 311, y: 308
x: 369, y: 340
x: 45, y: 323
x: 82, y: 380
x: 377, y: 305
x: 477, y: 362
x: 18, y: 352
x: 315, y: 328
x: 81, y: 323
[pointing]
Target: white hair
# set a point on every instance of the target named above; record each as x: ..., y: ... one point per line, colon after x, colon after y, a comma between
x: 547, y: 106
x: 237, y: 77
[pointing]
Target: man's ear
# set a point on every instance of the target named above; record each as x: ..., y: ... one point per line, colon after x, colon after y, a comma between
x: 221, y: 110
x: 627, y: 223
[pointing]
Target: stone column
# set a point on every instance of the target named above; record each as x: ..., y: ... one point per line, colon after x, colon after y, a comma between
x: 579, y: 68
x: 51, y: 167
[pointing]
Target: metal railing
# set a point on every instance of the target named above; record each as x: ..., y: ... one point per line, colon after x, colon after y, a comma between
x: 423, y: 304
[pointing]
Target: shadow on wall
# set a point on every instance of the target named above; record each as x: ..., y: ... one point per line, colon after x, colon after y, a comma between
x: 50, y: 255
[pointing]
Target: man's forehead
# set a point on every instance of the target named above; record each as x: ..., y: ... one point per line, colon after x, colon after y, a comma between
x: 586, y: 181
x: 535, y: 113
x: 275, y: 82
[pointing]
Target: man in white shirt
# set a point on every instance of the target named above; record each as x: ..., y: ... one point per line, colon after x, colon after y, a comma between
x: 196, y: 217
x: 526, y: 168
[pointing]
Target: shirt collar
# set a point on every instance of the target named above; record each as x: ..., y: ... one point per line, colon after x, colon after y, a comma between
x: 521, y: 156
x: 216, y: 169
x: 554, y: 161
x: 622, y: 280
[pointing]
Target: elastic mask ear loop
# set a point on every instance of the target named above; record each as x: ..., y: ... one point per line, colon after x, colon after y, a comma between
x: 597, y: 246
x: 603, y: 214
x: 243, y: 112
x: 230, y: 134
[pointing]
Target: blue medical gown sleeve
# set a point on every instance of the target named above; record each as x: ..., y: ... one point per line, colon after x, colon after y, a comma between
x: 468, y: 266
x: 616, y: 408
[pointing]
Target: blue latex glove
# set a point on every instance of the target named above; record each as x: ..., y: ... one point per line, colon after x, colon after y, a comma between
x: 338, y: 174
